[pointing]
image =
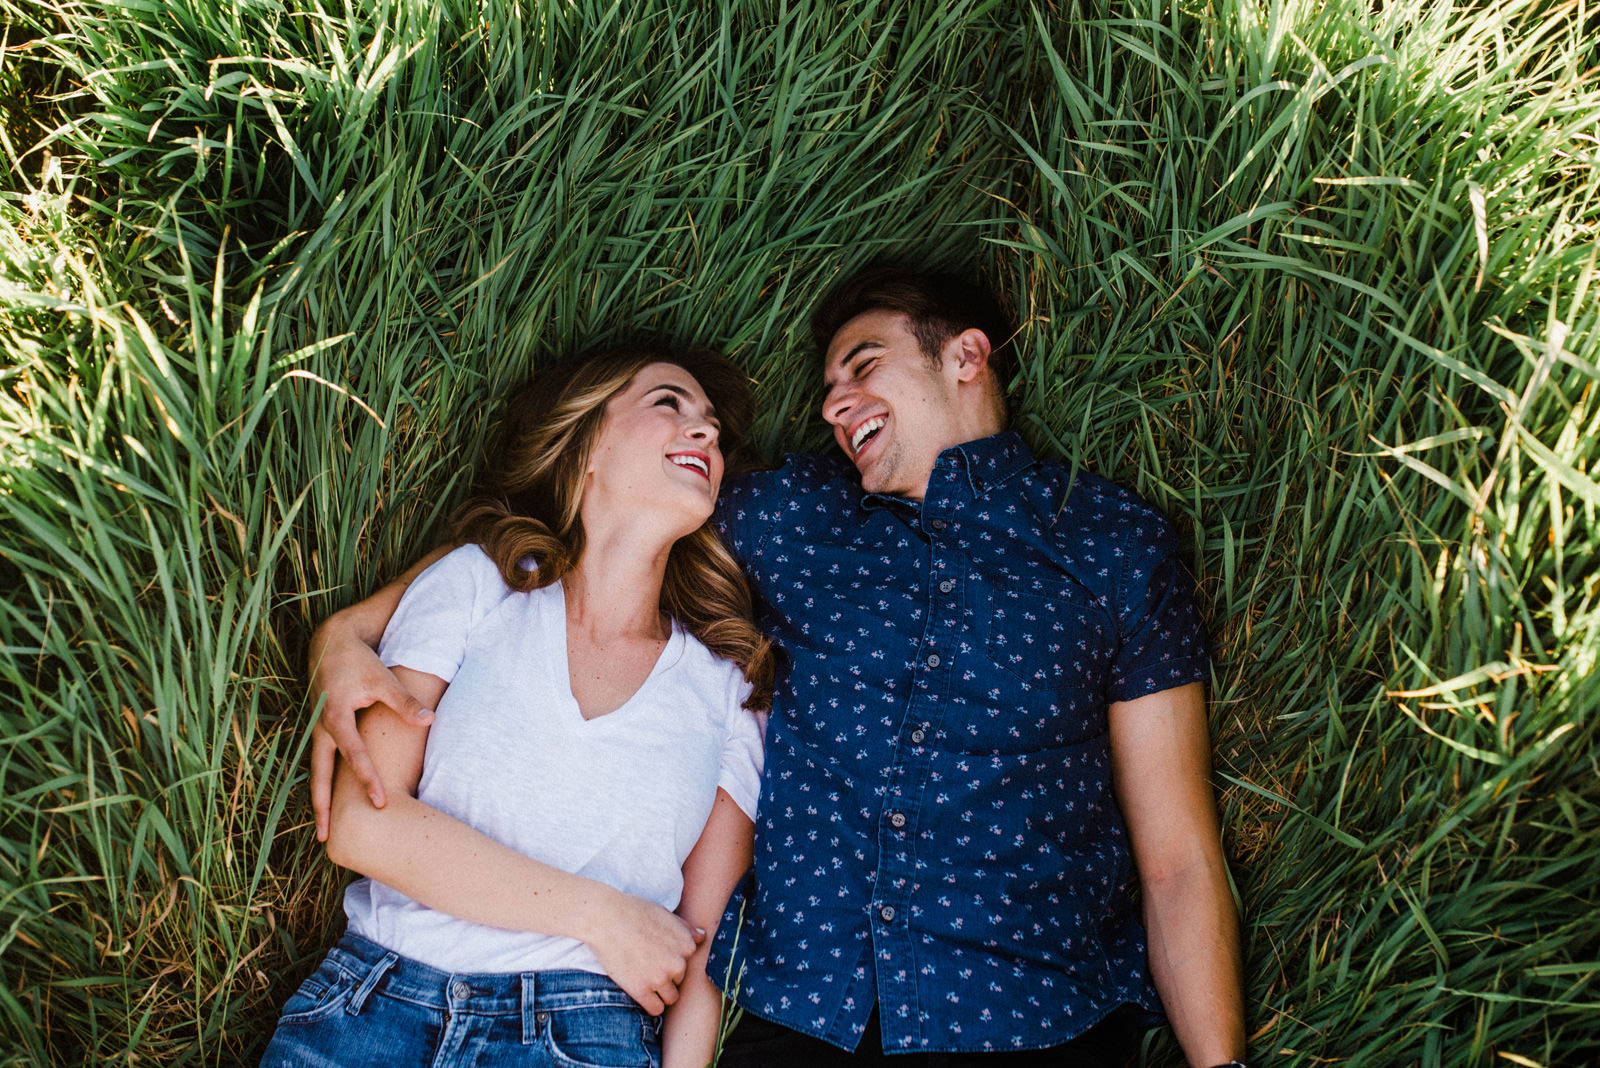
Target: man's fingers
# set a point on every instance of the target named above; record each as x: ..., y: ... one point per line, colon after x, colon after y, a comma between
x: 668, y: 996
x: 361, y: 764
x: 323, y: 750
x: 652, y: 1004
x: 405, y: 702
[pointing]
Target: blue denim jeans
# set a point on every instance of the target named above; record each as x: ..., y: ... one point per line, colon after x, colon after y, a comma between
x: 367, y: 1006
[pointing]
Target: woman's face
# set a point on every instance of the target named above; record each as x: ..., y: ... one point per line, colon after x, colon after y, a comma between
x: 657, y: 448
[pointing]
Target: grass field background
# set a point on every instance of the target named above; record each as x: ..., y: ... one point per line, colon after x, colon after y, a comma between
x: 1316, y: 278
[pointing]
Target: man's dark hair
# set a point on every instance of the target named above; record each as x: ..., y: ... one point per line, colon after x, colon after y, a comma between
x: 939, y: 306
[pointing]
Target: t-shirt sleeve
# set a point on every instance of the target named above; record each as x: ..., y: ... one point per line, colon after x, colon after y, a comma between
x: 428, y: 632
x: 1164, y: 643
x: 743, y: 749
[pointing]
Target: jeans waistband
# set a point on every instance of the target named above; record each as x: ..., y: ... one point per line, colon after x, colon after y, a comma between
x: 490, y: 993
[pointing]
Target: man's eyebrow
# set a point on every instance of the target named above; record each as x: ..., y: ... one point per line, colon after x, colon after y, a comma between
x: 853, y: 355
x: 711, y: 409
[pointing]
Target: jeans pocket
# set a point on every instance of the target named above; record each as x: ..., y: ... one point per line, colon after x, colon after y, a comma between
x: 323, y: 993
x: 604, y: 1036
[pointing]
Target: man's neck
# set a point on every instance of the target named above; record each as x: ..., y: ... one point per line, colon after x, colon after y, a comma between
x: 928, y: 477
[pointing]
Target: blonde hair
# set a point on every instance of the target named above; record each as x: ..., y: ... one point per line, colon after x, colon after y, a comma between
x: 530, y: 506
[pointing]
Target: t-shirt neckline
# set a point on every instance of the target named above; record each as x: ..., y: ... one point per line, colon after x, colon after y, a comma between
x: 670, y: 652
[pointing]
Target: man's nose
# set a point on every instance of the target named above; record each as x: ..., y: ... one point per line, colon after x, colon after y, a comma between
x: 837, y: 403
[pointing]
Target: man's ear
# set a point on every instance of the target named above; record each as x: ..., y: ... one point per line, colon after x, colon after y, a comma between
x: 970, y: 351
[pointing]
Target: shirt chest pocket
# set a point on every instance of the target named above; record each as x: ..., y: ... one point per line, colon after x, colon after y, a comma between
x: 1046, y: 637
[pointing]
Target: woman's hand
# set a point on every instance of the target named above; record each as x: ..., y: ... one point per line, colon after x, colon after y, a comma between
x: 643, y: 947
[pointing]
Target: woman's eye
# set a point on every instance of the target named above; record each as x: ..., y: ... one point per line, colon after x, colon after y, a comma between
x: 670, y: 401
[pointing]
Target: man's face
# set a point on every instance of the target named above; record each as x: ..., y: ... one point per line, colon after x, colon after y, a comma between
x: 892, y: 412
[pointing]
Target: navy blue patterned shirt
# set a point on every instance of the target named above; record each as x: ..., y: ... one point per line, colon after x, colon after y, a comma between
x: 937, y: 833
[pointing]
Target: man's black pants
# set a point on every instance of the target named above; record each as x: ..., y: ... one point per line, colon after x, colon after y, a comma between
x: 758, y: 1043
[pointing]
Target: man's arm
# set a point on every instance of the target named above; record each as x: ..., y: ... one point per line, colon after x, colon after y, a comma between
x: 714, y: 868
x: 1161, y: 772
x: 345, y: 669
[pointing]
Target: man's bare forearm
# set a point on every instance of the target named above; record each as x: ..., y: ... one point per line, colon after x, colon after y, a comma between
x: 1195, y: 961
x: 1161, y: 771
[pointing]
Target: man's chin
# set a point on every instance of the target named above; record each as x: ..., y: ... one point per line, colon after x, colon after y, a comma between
x: 868, y: 482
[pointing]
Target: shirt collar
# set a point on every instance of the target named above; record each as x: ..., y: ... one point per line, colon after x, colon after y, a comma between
x: 972, y: 469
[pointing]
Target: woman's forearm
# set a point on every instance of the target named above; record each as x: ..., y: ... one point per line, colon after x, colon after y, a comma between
x: 448, y: 866
x: 442, y: 863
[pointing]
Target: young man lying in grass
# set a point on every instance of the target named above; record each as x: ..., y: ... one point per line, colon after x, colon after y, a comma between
x: 993, y: 714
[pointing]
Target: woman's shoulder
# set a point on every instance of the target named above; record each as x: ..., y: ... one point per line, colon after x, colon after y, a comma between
x: 710, y: 670
x: 472, y: 562
x: 464, y: 563
x: 469, y: 576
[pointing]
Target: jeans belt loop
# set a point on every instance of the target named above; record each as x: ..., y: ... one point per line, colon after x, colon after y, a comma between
x: 379, y: 970
x: 530, y: 1015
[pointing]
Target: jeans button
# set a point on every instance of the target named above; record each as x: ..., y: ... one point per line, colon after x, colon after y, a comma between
x: 461, y: 989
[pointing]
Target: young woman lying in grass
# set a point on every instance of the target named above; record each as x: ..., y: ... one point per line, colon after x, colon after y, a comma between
x: 594, y: 759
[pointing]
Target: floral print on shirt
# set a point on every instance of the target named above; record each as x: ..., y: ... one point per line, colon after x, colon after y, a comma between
x: 937, y: 833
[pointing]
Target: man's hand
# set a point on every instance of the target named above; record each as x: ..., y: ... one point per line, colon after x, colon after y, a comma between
x: 644, y: 948
x: 348, y: 675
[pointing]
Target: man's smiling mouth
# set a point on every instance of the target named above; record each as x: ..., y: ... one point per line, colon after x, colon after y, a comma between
x: 865, y: 433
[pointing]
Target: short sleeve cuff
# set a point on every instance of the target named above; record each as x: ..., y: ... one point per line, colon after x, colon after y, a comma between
x: 1163, y: 675
x: 742, y: 756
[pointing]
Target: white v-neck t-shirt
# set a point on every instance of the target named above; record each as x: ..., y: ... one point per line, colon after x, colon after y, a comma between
x: 621, y: 798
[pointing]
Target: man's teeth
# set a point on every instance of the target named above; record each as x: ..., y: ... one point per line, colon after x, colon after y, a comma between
x: 864, y: 431
x: 694, y: 462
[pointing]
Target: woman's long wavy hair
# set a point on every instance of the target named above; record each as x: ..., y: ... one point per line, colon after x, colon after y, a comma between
x: 530, y: 504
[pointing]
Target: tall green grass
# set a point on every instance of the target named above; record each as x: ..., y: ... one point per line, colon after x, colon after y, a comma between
x: 1317, y: 279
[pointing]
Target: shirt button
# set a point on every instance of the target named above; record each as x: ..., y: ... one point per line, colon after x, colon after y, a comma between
x: 461, y: 989
x: 887, y: 912
x: 897, y: 820
x: 946, y: 586
x: 917, y: 736
x: 936, y: 525
x: 933, y: 660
